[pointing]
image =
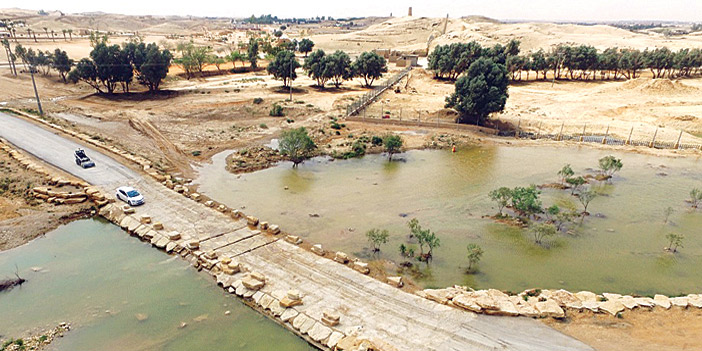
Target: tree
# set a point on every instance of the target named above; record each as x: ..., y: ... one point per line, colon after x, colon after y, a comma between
x: 392, y: 144
x: 235, y: 56
x: 585, y: 197
x: 85, y: 71
x: 432, y: 242
x: 192, y: 58
x: 575, y: 183
x: 252, y: 53
x: 61, y: 63
x: 674, y: 241
x: 610, y: 165
x: 154, y: 67
x: 70, y: 34
x: 217, y: 61
x: 539, y: 63
x: 113, y: 66
x: 482, y: 91
x: 540, y: 231
x: 306, y: 46
x: 377, y: 237
x: 296, y: 145
x: 283, y: 67
x: 525, y: 200
x: 369, y: 66
x: 475, y: 253
x: 695, y: 197
x: 337, y: 67
x: 10, y: 56
x: 315, y: 67
x: 502, y: 196
x: 565, y: 173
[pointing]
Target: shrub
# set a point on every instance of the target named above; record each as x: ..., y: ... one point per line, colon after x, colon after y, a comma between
x: 335, y: 125
x: 263, y: 126
x: 257, y: 101
x: 196, y: 153
x: 276, y: 111
x: 376, y: 140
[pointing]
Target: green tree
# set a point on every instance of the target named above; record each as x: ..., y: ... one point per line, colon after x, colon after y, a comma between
x: 236, y: 56
x: 306, y: 46
x: 585, y: 197
x: 85, y: 71
x: 392, y: 144
x: 610, y: 165
x: 153, y: 69
x: 475, y: 253
x: 61, y: 63
x: 315, y: 65
x: 296, y: 145
x: 283, y: 67
x: 674, y: 241
x: 539, y: 63
x: 541, y: 231
x: 575, y: 183
x: 252, y: 53
x: 502, y: 196
x: 192, y: 58
x: 565, y: 173
x: 369, y: 66
x: 482, y: 91
x: 376, y: 238
x: 113, y: 66
x: 525, y: 200
x: 337, y: 67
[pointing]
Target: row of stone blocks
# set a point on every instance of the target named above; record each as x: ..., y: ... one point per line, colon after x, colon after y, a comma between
x: 550, y: 303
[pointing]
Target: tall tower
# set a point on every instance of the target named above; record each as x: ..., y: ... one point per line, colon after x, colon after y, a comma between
x: 409, y: 13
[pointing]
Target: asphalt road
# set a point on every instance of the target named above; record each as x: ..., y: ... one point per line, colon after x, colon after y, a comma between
x: 58, y: 151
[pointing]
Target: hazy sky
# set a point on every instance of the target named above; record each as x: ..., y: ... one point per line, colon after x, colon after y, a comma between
x: 554, y: 10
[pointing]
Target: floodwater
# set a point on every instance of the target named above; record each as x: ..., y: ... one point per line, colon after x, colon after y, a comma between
x: 617, y: 249
x: 93, y: 275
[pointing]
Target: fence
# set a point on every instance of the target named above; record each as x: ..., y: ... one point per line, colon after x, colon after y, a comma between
x: 412, y: 123
x: 370, y: 96
x: 602, y: 138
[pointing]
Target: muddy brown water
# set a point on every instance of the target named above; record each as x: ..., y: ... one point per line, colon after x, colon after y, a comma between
x: 617, y: 249
x: 122, y: 294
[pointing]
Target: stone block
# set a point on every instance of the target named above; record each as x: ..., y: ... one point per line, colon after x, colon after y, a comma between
x: 612, y: 307
x: 173, y: 236
x: 209, y: 203
x: 157, y: 226
x: 252, y: 283
x: 292, y: 298
x: 222, y: 208
x: 236, y: 214
x: 330, y: 318
x: 319, y: 332
x: 467, y: 302
x: 145, y: 219
x: 680, y: 301
x: 549, y: 308
x: 127, y: 209
x: 662, y: 301
x: 263, y: 225
x: 586, y: 296
x: 251, y: 221
x: 195, y: 196
x: 293, y: 239
x: 395, y: 281
x: 300, y: 320
x: 334, y: 339
x: 361, y: 267
x: 274, y: 229
x: 288, y: 314
x: 211, y: 255
x: 317, y: 248
x: 258, y: 276
x: 341, y: 257
x: 192, y: 245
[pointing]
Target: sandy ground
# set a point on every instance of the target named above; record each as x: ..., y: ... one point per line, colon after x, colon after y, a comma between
x: 23, y: 218
x: 674, y: 329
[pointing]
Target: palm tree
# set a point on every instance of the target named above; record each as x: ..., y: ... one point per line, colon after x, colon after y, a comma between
x: 70, y: 34
x: 46, y: 30
x: 64, y: 34
x: 53, y: 35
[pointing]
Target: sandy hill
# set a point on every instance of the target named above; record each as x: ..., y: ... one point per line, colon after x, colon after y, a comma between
x: 415, y: 34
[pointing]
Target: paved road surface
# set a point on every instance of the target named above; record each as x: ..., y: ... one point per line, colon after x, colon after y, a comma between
x: 376, y: 310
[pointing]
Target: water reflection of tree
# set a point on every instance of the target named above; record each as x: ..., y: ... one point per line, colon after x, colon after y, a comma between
x: 298, y: 180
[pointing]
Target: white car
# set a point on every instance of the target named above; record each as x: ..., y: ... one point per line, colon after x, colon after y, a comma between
x: 130, y: 196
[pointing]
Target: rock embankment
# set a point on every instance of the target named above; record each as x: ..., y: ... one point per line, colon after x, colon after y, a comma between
x: 551, y: 303
x: 37, y: 342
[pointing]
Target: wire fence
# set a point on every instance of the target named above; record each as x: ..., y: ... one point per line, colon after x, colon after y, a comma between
x: 603, y: 138
x: 370, y: 96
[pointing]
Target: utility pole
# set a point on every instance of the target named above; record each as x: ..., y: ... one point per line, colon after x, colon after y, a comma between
x: 291, y: 80
x: 36, y: 93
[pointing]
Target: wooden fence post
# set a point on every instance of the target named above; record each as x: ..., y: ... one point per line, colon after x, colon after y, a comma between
x: 560, y: 133
x: 628, y: 140
x: 653, y: 141
x: 582, y: 136
x: 604, y: 140
x: 677, y: 144
x: 519, y: 124
x: 538, y: 132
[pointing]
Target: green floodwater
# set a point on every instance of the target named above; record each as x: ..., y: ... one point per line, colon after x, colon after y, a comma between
x: 618, y: 249
x: 92, y: 274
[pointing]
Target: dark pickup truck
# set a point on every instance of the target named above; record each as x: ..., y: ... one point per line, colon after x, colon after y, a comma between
x: 82, y: 159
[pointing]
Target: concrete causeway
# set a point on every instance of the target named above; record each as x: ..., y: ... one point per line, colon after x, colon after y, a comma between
x: 368, y: 309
